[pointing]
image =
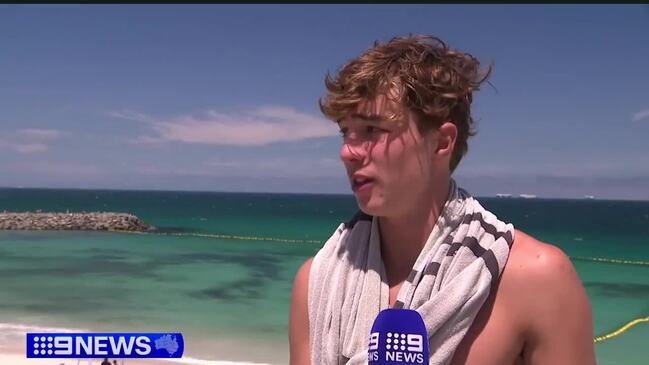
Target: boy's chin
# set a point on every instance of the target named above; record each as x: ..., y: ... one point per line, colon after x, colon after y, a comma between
x: 372, y: 208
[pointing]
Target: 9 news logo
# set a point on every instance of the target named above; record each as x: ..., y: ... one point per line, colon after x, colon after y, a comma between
x: 399, y: 347
x: 98, y: 345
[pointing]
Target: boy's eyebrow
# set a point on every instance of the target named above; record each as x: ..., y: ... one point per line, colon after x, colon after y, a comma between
x: 369, y: 117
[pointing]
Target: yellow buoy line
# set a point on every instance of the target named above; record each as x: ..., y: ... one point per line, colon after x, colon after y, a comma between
x: 621, y: 330
x: 222, y: 236
x: 612, y: 261
x: 236, y: 237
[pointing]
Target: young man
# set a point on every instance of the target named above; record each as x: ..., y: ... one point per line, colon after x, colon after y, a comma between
x: 489, y: 294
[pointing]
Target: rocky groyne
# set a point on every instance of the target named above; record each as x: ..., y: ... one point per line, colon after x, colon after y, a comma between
x: 95, y: 221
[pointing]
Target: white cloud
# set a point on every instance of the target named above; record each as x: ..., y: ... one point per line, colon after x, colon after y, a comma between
x: 146, y: 140
x: 261, y: 126
x: 30, y: 148
x: 40, y: 134
x: 131, y: 115
x: 30, y: 140
x: 643, y: 114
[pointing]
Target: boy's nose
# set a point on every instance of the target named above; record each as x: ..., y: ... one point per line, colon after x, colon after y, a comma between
x: 353, y: 152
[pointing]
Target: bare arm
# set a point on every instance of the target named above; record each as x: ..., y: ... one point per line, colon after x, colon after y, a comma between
x: 559, y: 316
x: 299, y: 318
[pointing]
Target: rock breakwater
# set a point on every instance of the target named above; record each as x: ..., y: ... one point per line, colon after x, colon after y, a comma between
x: 94, y: 221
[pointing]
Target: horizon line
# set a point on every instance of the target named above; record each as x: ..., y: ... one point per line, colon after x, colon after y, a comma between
x: 512, y: 197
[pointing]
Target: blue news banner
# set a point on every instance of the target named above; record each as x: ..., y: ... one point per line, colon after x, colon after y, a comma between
x: 101, y: 345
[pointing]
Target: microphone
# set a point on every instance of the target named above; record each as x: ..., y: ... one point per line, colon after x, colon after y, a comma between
x: 398, y: 337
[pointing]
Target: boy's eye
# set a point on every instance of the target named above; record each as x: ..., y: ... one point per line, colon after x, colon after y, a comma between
x: 367, y: 130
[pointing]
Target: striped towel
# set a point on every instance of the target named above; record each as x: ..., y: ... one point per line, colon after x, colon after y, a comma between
x: 450, y: 281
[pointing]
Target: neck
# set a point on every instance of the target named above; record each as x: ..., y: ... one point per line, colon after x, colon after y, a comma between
x: 404, y: 236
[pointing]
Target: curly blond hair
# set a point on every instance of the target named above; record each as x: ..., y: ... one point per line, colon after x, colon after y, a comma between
x: 436, y: 83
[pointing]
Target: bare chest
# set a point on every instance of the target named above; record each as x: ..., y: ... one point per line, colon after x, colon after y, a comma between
x: 491, y: 339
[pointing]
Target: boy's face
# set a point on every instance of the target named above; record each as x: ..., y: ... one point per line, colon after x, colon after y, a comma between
x: 391, y: 165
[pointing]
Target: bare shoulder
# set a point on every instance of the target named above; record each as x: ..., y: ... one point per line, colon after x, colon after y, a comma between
x: 299, y: 316
x: 538, y: 271
x: 542, y: 287
x: 544, y: 263
x: 533, y: 276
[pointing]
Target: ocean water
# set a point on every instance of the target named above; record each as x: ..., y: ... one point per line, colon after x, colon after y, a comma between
x: 221, y: 273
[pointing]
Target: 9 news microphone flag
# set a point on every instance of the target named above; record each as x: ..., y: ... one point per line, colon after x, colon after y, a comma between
x: 398, y: 337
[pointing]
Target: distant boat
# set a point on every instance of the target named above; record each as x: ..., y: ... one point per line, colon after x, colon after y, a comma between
x: 527, y: 196
x: 504, y: 195
x: 589, y: 196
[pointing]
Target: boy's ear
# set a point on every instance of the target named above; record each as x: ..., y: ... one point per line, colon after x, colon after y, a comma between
x: 447, y: 135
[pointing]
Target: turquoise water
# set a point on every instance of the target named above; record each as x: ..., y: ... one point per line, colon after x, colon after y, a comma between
x: 224, y: 293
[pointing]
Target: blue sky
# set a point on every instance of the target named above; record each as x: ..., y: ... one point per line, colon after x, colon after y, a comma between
x: 224, y: 97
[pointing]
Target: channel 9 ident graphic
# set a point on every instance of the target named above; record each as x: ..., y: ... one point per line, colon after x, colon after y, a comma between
x: 398, y: 337
x: 101, y: 345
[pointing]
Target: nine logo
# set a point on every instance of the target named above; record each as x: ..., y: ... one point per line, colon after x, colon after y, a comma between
x: 398, y: 337
x: 398, y: 347
x: 99, y: 345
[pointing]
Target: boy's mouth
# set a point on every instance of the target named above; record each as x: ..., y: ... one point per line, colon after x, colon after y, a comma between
x: 361, y: 182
